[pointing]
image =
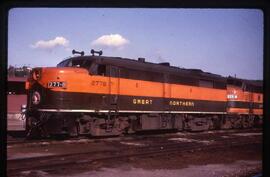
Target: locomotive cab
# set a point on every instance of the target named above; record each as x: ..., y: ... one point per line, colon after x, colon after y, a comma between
x: 76, y: 86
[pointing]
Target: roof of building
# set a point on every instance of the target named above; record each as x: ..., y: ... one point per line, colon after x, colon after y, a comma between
x: 17, y: 79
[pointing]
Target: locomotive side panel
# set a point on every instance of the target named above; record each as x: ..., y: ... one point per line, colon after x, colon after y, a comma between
x: 258, y: 104
x: 238, y: 100
x: 244, y: 102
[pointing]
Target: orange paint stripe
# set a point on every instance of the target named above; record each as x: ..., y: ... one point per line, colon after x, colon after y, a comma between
x: 255, y: 97
x: 238, y: 110
x: 129, y: 87
x: 245, y: 111
x: 245, y: 96
x: 258, y: 111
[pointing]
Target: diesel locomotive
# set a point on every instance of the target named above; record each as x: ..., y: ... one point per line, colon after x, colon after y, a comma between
x: 103, y: 96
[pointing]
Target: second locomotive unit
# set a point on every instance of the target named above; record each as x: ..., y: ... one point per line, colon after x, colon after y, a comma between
x: 100, y: 96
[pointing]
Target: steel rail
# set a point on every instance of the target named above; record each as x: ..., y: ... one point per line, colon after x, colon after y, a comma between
x: 47, y: 162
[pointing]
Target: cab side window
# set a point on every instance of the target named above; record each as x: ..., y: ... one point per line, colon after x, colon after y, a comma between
x: 93, y: 69
x: 114, y: 71
x: 64, y: 63
x: 206, y: 83
x: 101, y: 70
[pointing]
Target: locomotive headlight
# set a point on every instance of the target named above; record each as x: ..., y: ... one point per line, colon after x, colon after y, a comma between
x: 57, y: 84
x: 36, y: 98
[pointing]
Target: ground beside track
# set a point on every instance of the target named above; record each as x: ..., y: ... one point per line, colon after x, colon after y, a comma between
x: 230, y: 161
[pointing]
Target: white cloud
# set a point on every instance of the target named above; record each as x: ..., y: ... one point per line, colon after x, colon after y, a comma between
x: 58, y: 41
x: 112, y: 40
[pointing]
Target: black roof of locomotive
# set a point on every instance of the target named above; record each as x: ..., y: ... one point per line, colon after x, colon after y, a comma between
x: 258, y: 83
x: 251, y: 85
x: 154, y: 67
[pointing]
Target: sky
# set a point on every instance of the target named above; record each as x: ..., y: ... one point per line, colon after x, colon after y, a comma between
x: 220, y: 41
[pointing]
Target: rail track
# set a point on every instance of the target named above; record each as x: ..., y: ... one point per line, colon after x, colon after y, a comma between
x: 212, y: 133
x: 52, y: 162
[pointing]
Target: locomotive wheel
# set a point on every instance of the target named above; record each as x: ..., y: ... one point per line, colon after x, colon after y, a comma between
x: 248, y: 122
x: 60, y: 136
x: 33, y: 129
x: 226, y: 123
x: 258, y: 122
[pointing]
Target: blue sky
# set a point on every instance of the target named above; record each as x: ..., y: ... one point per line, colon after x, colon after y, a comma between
x: 221, y: 41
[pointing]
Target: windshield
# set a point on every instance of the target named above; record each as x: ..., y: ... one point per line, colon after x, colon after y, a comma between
x: 63, y: 63
x: 80, y: 63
